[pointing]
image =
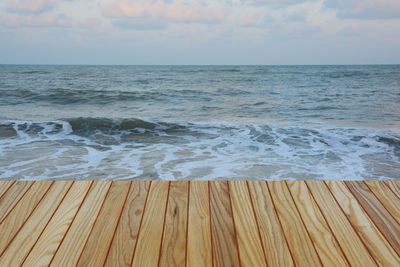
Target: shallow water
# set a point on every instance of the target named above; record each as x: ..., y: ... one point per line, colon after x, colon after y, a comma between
x: 200, y: 122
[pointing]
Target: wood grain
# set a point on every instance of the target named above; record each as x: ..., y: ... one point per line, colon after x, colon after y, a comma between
x: 4, y: 186
x: 324, y: 241
x: 225, y: 250
x: 104, y: 228
x: 386, y: 197
x: 21, y: 212
x: 249, y: 241
x: 219, y: 223
x: 199, y: 251
x: 21, y: 245
x: 173, y: 248
x: 394, y: 186
x: 304, y: 253
x: 12, y: 197
x: 47, y: 244
x: 376, y: 244
x: 147, y: 249
x: 275, y: 245
x: 379, y: 215
x: 347, y: 237
x: 74, y: 240
x: 123, y: 245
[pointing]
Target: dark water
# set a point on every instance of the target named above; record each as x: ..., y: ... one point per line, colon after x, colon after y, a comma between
x: 200, y: 122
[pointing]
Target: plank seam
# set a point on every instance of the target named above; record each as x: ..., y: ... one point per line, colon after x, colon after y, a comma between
x: 323, y: 215
x: 116, y: 226
x: 94, y: 223
x: 69, y: 226
x: 187, y: 224
x: 280, y: 223
x: 305, y: 226
x: 234, y: 223
x: 165, y: 218
x: 16, y: 203
x: 371, y: 219
x: 44, y: 228
x: 390, y: 188
x: 141, y: 220
x: 257, y: 223
x: 380, y: 201
x: 33, y: 210
x: 8, y: 188
x: 209, y: 210
x: 355, y: 230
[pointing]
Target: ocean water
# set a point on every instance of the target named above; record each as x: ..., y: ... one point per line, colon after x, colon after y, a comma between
x: 199, y: 122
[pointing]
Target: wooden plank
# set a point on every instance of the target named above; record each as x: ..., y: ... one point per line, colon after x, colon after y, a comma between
x: 21, y: 212
x: 47, y: 244
x: 249, y: 240
x: 199, y: 251
x: 304, y: 253
x: 173, y: 247
x: 324, y: 240
x: 4, y: 186
x: 348, y: 239
x: 276, y: 248
x: 12, y: 197
x: 104, y: 228
x: 21, y: 245
x: 224, y: 243
x: 376, y: 244
x: 123, y: 245
x: 74, y: 240
x: 394, y: 186
x: 379, y: 215
x: 386, y: 197
x: 151, y: 230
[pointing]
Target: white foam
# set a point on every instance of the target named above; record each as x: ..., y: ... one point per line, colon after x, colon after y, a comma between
x: 215, y: 152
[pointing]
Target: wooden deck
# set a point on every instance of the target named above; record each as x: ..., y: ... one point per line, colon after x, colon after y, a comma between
x: 237, y: 223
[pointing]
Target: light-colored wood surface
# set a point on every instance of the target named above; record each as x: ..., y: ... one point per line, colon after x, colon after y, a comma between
x: 11, y: 197
x: 4, y: 186
x: 299, y: 241
x: 247, y: 230
x: 74, y: 240
x: 124, y: 242
x: 20, y: 246
x: 173, y: 247
x: 103, y: 230
x: 198, y: 241
x: 374, y: 241
x: 345, y: 234
x: 224, y: 240
x: 321, y: 235
x: 11, y: 224
x: 148, y: 244
x: 47, y: 244
x: 272, y: 236
x: 219, y: 223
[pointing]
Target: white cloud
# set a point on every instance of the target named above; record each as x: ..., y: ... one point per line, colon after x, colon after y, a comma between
x: 365, y: 9
x: 41, y: 20
x: 158, y: 10
x: 31, y: 6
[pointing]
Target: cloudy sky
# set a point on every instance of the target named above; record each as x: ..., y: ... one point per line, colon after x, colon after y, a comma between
x: 200, y: 31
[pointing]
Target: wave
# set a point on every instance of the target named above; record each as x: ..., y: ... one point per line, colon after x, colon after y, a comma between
x: 103, y: 148
x: 62, y: 96
x: 65, y: 96
x: 347, y: 74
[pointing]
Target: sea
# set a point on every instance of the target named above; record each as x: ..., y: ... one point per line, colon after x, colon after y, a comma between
x: 200, y: 122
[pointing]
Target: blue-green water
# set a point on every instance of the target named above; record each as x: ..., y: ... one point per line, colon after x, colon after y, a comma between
x: 200, y: 122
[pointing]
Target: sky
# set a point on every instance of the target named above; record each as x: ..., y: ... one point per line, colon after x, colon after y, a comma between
x: 137, y: 32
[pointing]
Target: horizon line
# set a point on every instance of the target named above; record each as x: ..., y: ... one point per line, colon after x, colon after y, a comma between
x: 62, y: 64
